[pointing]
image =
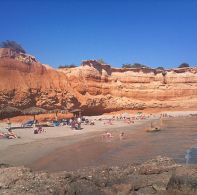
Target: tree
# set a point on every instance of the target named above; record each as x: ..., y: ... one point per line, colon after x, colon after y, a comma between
x: 160, y: 68
x: 135, y: 65
x: 12, y: 45
x: 68, y: 66
x: 101, y: 61
x: 127, y: 66
x: 183, y: 65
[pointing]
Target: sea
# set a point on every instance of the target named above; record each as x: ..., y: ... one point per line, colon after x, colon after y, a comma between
x: 176, y: 139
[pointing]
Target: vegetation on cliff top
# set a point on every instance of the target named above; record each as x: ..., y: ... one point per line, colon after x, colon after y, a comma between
x: 68, y: 66
x: 135, y: 65
x: 138, y: 65
x: 184, y: 65
x: 12, y: 45
x: 101, y: 61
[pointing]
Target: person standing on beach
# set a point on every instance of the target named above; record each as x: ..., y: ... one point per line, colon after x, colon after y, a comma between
x: 9, y: 123
x: 70, y: 122
x: 79, y: 122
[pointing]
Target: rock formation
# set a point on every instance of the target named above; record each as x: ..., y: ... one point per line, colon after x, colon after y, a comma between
x: 95, y: 87
x: 158, y: 176
x: 20, y: 56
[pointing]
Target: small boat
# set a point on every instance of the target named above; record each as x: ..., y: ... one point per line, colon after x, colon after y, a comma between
x: 156, y: 129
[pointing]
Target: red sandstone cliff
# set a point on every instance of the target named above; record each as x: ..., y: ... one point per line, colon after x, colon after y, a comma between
x: 95, y: 87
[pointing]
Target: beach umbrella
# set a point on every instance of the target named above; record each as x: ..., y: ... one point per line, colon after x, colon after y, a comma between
x: 76, y: 112
x: 9, y: 111
x: 34, y: 111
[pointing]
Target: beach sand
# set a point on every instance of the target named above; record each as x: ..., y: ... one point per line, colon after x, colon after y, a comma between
x: 30, y: 147
x: 60, y: 148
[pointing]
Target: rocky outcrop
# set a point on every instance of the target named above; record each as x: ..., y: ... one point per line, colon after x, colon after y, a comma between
x: 19, y: 56
x: 158, y: 176
x: 95, y: 87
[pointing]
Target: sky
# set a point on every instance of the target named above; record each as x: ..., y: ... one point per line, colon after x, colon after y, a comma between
x: 58, y: 32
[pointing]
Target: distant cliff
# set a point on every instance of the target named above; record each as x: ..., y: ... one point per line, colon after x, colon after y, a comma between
x: 95, y: 87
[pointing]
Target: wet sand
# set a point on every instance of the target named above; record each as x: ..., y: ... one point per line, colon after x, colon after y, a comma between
x: 177, y: 136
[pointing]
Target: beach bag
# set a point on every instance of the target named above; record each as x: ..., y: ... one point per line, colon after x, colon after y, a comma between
x: 35, y: 131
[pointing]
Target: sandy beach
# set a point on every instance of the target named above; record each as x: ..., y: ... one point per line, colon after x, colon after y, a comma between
x: 36, y: 151
x: 15, y: 151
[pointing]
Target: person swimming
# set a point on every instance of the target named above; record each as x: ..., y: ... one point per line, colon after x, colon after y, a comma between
x: 107, y: 135
x: 121, y: 136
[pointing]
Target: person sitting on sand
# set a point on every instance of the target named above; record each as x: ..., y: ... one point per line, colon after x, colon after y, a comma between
x: 92, y: 122
x: 40, y: 129
x: 11, y: 134
x: 35, y: 131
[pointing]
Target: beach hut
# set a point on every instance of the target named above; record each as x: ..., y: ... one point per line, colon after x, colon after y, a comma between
x: 76, y: 112
x: 9, y: 111
x: 34, y: 111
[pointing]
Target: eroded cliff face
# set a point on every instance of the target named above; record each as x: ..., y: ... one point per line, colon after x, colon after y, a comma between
x: 95, y: 87
x: 23, y: 85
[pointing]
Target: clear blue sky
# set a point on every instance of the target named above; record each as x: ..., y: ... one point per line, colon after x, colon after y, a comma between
x: 152, y: 32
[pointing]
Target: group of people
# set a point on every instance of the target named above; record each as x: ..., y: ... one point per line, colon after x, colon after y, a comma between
x: 89, y: 122
x: 9, y: 135
x: 75, y: 123
x: 128, y: 119
x: 38, y: 130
